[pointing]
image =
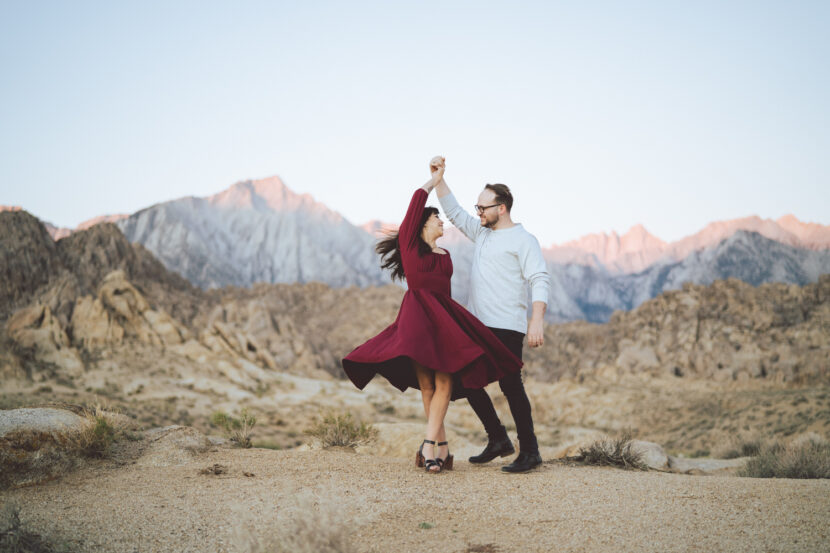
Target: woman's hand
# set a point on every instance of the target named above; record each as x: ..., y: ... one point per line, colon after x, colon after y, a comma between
x: 436, y: 162
x: 436, y: 167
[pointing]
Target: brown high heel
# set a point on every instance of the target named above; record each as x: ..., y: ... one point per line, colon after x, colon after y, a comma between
x: 419, y: 455
x: 445, y: 464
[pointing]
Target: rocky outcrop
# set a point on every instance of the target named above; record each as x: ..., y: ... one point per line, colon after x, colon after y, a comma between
x: 120, y: 311
x: 28, y: 259
x: 727, y: 331
x: 36, y: 331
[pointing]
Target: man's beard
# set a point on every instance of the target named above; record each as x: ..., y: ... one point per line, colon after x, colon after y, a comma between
x: 490, y: 224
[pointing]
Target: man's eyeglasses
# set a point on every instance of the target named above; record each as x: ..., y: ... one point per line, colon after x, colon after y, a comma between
x: 480, y: 208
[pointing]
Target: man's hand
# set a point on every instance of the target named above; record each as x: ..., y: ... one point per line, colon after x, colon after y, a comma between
x: 436, y: 163
x: 436, y: 167
x: 536, y: 333
x: 536, y: 326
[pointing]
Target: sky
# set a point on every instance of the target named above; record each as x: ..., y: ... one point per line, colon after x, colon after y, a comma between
x: 598, y: 115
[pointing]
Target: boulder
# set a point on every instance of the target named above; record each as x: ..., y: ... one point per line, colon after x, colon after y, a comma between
x: 46, y: 420
x: 651, y: 453
x: 37, y: 445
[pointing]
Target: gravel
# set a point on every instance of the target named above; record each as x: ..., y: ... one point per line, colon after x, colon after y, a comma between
x: 382, y: 503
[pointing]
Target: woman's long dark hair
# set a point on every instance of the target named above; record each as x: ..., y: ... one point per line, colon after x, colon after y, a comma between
x: 390, y: 250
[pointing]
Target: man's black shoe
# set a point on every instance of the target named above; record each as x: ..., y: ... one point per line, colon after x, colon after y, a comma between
x: 497, y: 448
x: 524, y: 462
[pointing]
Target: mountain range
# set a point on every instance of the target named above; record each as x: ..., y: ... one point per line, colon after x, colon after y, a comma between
x: 261, y: 231
x: 637, y: 249
x: 255, y: 231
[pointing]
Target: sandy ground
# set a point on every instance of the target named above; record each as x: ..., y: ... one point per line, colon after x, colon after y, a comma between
x: 382, y: 503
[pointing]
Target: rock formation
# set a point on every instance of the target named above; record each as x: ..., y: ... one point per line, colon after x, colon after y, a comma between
x: 729, y: 330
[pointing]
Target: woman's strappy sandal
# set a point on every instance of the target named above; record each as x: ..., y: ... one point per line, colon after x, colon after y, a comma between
x: 444, y: 464
x: 429, y: 463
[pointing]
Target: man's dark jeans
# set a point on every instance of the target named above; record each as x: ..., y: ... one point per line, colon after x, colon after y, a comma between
x: 514, y: 390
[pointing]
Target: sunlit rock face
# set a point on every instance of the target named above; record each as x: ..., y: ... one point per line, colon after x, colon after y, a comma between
x: 256, y: 231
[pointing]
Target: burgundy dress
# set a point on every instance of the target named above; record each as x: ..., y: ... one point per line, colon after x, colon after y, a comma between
x: 431, y: 327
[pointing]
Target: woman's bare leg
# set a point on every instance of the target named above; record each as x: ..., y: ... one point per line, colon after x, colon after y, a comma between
x: 427, y: 384
x: 438, y: 407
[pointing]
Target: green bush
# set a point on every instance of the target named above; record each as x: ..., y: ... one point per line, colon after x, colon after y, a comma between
x: 238, y: 430
x: 341, y: 430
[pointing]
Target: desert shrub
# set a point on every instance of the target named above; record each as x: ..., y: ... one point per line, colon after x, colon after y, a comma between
x: 614, y: 452
x: 100, y: 430
x: 237, y: 429
x: 808, y: 459
x: 741, y: 447
x: 341, y: 430
x: 14, y: 537
x: 312, y: 527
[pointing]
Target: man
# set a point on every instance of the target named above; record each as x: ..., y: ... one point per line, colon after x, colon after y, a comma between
x: 506, y: 259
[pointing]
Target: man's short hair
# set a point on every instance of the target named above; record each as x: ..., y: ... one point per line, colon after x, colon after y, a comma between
x: 503, y: 195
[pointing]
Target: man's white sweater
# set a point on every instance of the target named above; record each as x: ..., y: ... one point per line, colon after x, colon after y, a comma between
x: 504, y: 261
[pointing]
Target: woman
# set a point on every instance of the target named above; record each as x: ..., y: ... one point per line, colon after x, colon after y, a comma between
x: 434, y: 344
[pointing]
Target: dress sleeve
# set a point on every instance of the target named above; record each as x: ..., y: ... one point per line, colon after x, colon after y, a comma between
x: 408, y: 231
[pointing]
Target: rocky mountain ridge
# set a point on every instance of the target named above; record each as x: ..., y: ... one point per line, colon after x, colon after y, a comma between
x: 256, y: 231
x: 261, y: 231
x: 637, y: 249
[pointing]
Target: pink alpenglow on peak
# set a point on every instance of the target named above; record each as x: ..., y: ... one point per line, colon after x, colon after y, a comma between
x: 637, y: 249
x: 633, y: 251
x: 812, y: 235
x: 101, y: 219
x: 269, y: 194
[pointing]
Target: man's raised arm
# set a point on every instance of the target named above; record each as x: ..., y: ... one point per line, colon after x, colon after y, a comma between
x: 466, y: 223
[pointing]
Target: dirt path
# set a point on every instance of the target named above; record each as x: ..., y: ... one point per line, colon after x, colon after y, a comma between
x: 383, y: 502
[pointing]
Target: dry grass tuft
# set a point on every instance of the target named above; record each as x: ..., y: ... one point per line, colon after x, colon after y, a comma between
x: 238, y: 430
x: 614, y: 452
x: 316, y: 526
x: 99, y: 431
x: 806, y: 459
x: 341, y: 430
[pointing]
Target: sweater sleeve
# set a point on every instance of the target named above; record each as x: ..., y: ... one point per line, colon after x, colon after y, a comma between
x: 534, y: 269
x: 463, y: 221
x: 408, y: 231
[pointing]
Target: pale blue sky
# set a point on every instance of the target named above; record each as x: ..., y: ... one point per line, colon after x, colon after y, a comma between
x: 599, y: 115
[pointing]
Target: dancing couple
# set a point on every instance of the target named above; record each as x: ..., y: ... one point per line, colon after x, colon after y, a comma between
x: 439, y: 347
